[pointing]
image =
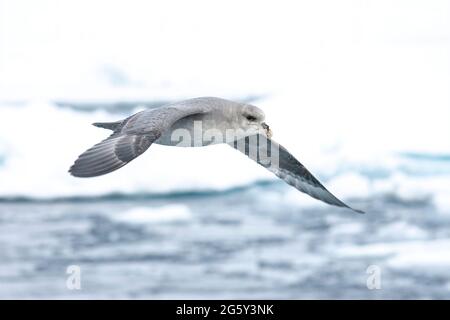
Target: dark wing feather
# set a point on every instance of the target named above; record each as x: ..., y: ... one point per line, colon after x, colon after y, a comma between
x: 111, y: 154
x: 284, y: 165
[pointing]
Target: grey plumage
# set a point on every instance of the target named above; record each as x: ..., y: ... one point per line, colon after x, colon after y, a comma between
x: 108, y: 125
x: 288, y: 168
x: 133, y: 136
x: 111, y: 154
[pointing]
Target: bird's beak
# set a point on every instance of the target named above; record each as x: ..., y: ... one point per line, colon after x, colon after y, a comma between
x: 267, y: 129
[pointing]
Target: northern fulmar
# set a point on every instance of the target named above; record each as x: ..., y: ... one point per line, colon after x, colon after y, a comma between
x: 199, y: 122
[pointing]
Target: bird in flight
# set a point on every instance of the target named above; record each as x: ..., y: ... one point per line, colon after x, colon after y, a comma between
x: 200, y: 122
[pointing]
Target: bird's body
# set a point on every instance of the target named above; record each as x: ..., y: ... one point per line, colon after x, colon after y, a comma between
x: 195, y: 123
x: 216, y: 115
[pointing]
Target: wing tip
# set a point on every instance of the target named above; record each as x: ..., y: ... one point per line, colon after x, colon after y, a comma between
x: 76, y: 174
x: 358, y: 210
x: 81, y: 170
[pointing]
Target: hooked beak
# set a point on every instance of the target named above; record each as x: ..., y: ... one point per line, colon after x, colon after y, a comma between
x: 267, y: 129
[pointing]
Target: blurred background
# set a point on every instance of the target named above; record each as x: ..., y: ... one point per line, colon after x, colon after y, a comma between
x: 358, y: 91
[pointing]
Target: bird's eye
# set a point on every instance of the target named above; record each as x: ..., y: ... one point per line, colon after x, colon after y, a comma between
x: 250, y: 118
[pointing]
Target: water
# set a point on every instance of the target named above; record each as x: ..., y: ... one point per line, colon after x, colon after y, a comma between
x: 248, y: 243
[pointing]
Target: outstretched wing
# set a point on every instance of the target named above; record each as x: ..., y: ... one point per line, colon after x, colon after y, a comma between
x: 131, y: 137
x: 111, y: 154
x: 279, y: 161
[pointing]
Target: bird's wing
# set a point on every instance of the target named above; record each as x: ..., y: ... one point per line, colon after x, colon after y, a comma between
x: 131, y: 137
x: 279, y: 161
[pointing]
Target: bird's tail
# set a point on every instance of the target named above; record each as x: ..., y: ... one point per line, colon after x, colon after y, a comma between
x: 114, y: 126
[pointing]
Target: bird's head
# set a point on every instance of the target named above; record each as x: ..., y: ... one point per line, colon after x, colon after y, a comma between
x: 251, y: 119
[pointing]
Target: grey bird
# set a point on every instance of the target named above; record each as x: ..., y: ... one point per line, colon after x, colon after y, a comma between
x: 199, y: 122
